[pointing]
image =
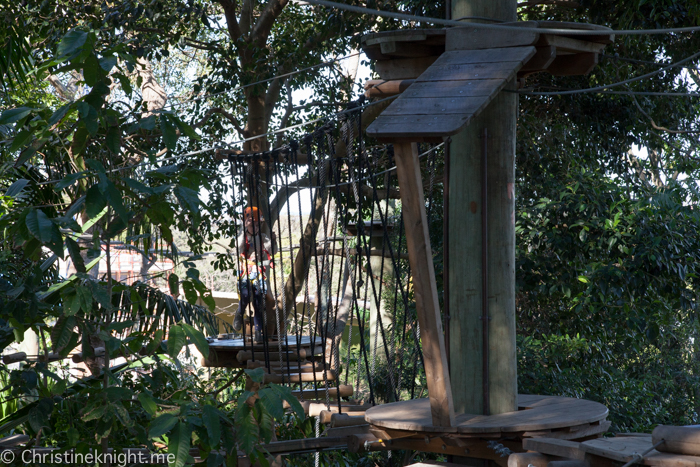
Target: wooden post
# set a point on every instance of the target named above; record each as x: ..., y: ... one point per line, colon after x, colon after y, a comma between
x: 423, y: 271
x: 468, y: 357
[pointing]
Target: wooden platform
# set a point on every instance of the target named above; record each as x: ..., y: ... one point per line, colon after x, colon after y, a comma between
x: 535, y: 414
x: 612, y: 451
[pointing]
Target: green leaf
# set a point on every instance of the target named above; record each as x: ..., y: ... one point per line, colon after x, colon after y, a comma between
x: 116, y: 393
x: 21, y: 140
x: 85, y: 298
x: 174, y: 284
x: 126, y: 84
x: 39, y: 225
x: 71, y: 303
x: 13, y: 115
x: 197, y: 338
x: 71, y: 42
x: 162, y: 424
x: 74, y: 252
x: 176, y: 340
x: 286, y: 394
x: 272, y: 402
x: 68, y: 180
x: 190, y: 292
x: 94, y: 220
x: 186, y: 129
x: 113, y: 139
x: 138, y: 186
x: 39, y: 414
x: 169, y: 133
x: 179, y: 444
x: 80, y: 139
x: 188, y: 198
x: 256, y: 375
x: 148, y: 123
x: 115, y: 198
x: 210, y: 417
x: 91, y: 70
x: 17, y: 187
x: 108, y: 62
x: 73, y: 436
x: 62, y: 332
x: 95, y: 202
x: 247, y: 431
x: 59, y: 114
x: 148, y: 403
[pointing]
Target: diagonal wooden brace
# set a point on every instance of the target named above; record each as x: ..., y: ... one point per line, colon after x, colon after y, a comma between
x: 423, y: 271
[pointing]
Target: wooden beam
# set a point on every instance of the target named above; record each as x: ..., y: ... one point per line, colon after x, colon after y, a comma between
x: 423, y: 271
x: 571, y: 65
x: 385, y: 88
x: 540, y: 61
x: 403, y: 68
x: 471, y: 38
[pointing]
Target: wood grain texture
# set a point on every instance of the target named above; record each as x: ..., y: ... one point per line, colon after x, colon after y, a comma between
x: 535, y: 413
x: 427, y: 306
x: 573, y: 65
x: 472, y: 38
x: 465, y: 75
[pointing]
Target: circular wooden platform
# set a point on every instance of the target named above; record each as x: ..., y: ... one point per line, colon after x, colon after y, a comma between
x: 535, y: 413
x: 290, y: 343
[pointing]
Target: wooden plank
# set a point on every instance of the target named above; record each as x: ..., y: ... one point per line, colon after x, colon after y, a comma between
x: 618, y: 449
x: 605, y: 36
x: 305, y: 444
x: 541, y: 60
x: 677, y: 439
x: 425, y: 125
x: 456, y: 88
x: 589, y: 430
x: 572, y: 65
x: 426, y: 296
x: 471, y: 38
x: 436, y: 105
x: 554, y: 447
x: 462, y: 57
x: 452, y: 72
x: 562, y: 412
x: 569, y: 44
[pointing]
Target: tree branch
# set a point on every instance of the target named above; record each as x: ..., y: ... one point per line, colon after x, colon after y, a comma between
x: 264, y: 25
x: 229, y: 7
x: 287, y: 113
x: 218, y: 110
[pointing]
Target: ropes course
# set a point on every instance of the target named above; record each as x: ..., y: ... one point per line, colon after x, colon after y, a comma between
x: 331, y: 309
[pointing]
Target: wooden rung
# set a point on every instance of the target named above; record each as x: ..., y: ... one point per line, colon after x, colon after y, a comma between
x: 319, y: 376
x: 342, y: 419
x: 349, y: 430
x: 14, y: 357
x: 293, y: 356
x: 315, y: 409
x: 345, y: 390
x: 384, y: 88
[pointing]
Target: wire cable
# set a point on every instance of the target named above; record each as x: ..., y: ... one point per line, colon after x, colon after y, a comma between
x: 243, y: 86
x: 448, y: 22
x: 607, y: 86
x: 213, y: 148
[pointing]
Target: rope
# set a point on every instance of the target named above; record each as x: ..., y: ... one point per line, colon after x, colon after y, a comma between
x: 502, y: 27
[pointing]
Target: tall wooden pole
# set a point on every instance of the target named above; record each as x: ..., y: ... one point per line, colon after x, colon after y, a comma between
x: 470, y: 359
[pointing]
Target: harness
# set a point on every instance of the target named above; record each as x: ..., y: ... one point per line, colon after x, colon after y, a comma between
x: 255, y: 272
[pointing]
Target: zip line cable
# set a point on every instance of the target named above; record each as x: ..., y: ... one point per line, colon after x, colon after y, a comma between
x: 499, y: 27
x: 213, y: 148
x: 243, y: 86
x: 607, y: 86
